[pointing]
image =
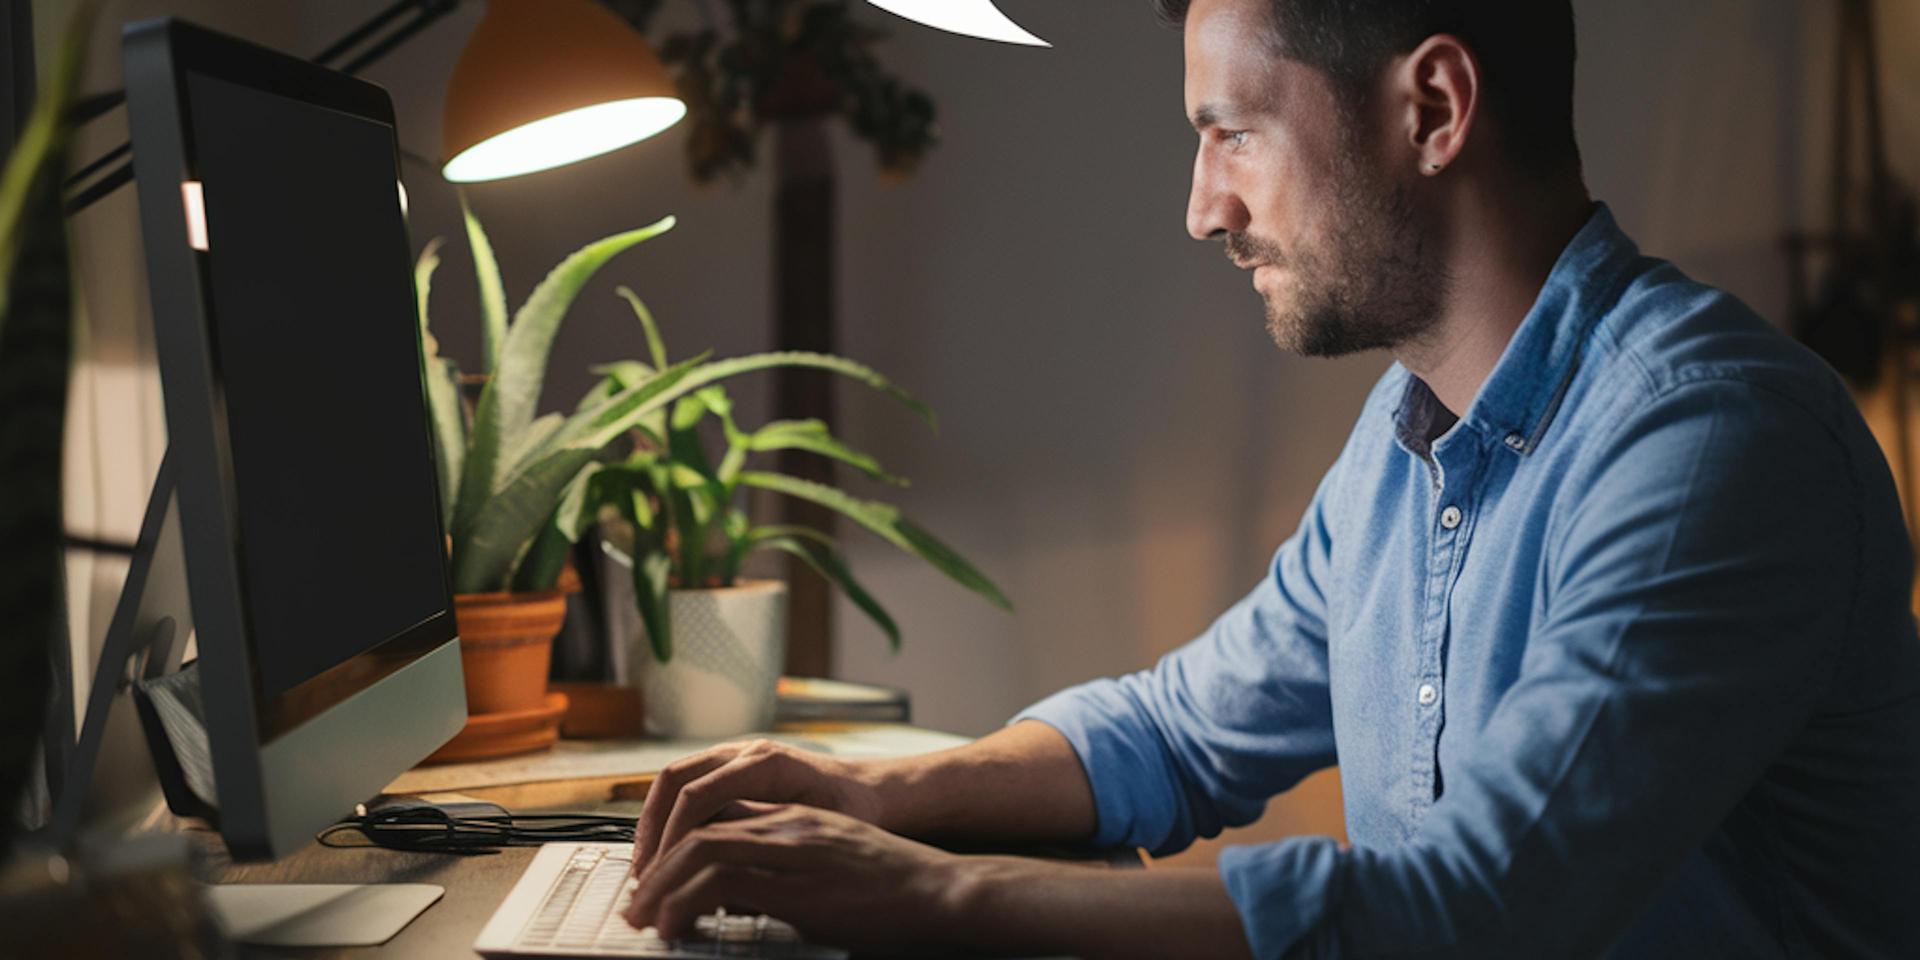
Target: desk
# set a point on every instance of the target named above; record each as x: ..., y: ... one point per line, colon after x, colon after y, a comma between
x: 475, y: 885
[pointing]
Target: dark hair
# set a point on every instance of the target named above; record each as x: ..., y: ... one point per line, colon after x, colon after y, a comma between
x: 1526, y: 48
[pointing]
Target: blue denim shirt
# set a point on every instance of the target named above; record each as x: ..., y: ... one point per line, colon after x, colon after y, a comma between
x: 1621, y: 663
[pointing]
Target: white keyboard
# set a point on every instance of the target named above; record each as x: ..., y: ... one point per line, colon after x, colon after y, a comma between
x: 571, y: 901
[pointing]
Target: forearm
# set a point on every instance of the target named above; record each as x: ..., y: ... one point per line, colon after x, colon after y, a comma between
x: 1022, y: 783
x: 1009, y: 905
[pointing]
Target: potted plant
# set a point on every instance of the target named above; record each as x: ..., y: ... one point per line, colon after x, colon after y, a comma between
x: 502, y: 468
x: 714, y: 642
x: 519, y: 489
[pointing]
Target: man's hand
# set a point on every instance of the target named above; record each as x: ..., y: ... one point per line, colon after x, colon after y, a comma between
x: 851, y: 884
x: 693, y: 790
x: 834, y: 878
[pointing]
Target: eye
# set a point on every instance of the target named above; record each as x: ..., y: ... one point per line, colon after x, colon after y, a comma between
x: 1234, y: 138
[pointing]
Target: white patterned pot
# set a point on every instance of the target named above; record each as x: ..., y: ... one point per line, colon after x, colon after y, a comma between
x: 729, y: 646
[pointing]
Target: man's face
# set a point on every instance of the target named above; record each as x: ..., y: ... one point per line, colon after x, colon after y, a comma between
x: 1303, y: 192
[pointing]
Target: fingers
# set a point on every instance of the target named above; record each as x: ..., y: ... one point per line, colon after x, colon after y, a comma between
x: 728, y: 845
x: 753, y: 775
x: 743, y: 809
x: 665, y: 792
x: 734, y: 886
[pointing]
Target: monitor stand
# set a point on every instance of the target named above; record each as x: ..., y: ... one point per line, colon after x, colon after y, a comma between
x: 148, y: 634
x: 317, y: 914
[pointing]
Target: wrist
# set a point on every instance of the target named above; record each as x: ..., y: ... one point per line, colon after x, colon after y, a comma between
x: 893, y: 786
x: 965, y: 898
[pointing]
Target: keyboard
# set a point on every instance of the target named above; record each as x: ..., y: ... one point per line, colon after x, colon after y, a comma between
x: 571, y: 901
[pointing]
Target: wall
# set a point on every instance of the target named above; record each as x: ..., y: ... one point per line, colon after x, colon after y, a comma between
x: 1120, y: 447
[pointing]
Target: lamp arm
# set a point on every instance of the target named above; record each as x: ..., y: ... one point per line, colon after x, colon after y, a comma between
x: 425, y: 12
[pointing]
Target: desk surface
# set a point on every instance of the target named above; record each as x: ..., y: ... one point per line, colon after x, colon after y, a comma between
x: 475, y: 886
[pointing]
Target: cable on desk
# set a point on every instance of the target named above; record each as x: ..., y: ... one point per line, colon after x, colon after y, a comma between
x: 419, y: 826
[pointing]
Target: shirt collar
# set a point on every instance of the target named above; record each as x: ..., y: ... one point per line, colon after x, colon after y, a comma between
x: 1520, y: 397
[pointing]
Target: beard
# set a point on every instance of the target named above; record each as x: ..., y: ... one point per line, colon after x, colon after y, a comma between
x: 1372, y: 281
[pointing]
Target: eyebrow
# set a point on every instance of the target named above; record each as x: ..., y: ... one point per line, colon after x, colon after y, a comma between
x: 1207, y: 116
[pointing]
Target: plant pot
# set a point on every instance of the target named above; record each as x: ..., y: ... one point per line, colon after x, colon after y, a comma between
x: 506, y: 640
x: 729, y: 646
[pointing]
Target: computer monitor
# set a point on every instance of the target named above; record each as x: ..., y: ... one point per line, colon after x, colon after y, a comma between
x: 299, y: 473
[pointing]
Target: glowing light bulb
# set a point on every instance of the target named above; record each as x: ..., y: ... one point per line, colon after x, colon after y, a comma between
x: 563, y: 138
x: 972, y: 18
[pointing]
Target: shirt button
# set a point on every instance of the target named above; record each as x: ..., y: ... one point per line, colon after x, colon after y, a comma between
x: 1428, y: 694
x: 1515, y: 441
x: 1450, y: 517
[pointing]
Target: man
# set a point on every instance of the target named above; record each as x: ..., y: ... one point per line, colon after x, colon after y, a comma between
x: 1602, y: 611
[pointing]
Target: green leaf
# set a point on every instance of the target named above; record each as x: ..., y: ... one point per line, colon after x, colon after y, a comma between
x: 484, y: 555
x: 641, y: 506
x: 423, y: 269
x: 538, y: 568
x: 600, y: 393
x: 37, y: 336
x: 652, y: 572
x: 534, y: 437
x: 580, y: 502
x: 656, y: 347
x: 631, y: 373
x: 493, y: 292
x: 442, y: 379
x: 652, y: 576
x: 885, y: 520
x: 722, y: 369
x: 508, y: 400
x: 829, y: 565
x: 40, y: 147
x: 449, y: 431
x: 813, y: 436
x: 625, y: 373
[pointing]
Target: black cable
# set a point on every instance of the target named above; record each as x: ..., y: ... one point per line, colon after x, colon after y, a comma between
x: 471, y: 828
x: 421, y: 21
x: 93, y: 545
x: 360, y: 33
x: 101, y: 187
x: 79, y: 176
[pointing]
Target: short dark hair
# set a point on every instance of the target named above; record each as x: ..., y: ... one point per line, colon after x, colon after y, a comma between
x: 1525, y: 46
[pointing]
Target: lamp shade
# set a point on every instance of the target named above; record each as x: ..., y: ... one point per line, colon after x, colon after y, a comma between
x: 543, y: 83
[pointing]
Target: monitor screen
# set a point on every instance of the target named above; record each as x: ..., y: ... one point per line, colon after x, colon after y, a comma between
x: 315, y: 345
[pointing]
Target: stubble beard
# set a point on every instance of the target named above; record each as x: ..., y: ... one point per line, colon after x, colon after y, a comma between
x: 1372, y: 282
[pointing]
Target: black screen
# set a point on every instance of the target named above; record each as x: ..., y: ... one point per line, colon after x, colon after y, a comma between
x: 316, y: 353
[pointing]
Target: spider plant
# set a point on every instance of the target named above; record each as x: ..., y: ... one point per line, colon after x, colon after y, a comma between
x: 519, y: 489
x: 685, y: 506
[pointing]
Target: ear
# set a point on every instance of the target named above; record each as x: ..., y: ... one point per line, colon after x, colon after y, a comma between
x: 1440, y: 86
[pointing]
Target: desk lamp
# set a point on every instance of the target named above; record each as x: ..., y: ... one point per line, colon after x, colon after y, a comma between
x: 541, y: 84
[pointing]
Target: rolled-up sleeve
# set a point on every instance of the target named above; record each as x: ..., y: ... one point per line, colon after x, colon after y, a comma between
x: 1203, y: 739
x: 1698, y: 591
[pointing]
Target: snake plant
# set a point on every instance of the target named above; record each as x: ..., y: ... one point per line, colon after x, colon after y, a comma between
x: 521, y: 489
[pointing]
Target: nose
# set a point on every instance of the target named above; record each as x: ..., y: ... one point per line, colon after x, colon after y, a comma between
x: 1213, y: 209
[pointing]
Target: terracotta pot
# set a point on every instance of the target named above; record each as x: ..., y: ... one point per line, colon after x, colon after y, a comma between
x: 506, y: 641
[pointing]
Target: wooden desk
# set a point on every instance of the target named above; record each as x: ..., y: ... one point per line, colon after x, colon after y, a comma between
x: 475, y: 885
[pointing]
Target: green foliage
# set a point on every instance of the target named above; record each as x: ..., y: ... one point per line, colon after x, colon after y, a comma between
x: 520, y: 490
x: 502, y: 470
x: 684, y: 502
x: 36, y: 345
